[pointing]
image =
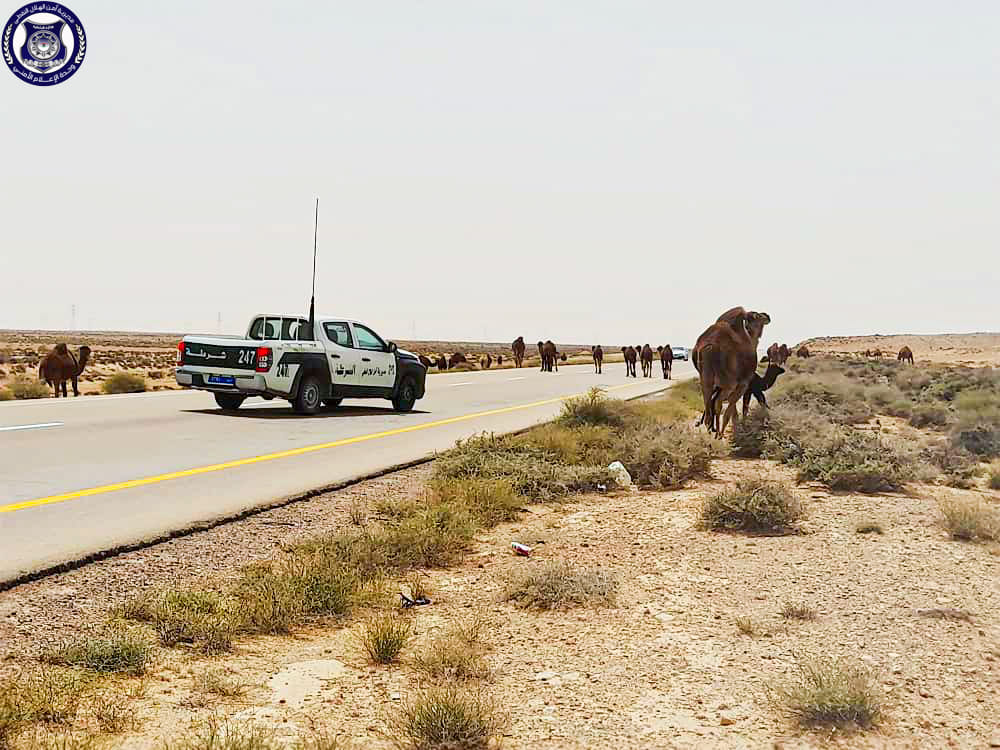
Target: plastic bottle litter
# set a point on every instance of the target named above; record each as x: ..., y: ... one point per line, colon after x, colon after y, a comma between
x: 521, y: 549
x: 620, y: 474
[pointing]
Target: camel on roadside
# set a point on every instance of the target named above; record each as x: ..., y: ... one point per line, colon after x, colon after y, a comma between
x: 486, y: 362
x: 877, y: 354
x: 518, y: 350
x: 666, y: 360
x: 760, y: 384
x: 598, y: 354
x: 59, y: 366
x: 727, y: 361
x: 456, y: 359
x: 630, y: 358
x: 905, y: 355
x: 646, y: 357
x: 550, y: 357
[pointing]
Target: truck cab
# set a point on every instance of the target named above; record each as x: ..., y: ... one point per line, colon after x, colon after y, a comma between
x: 282, y: 356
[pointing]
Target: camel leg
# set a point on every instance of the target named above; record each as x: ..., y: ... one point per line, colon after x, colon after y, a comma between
x: 707, y: 395
x: 76, y: 388
x: 729, y: 415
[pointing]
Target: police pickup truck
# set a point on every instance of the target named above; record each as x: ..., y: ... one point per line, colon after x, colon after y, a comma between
x: 283, y: 356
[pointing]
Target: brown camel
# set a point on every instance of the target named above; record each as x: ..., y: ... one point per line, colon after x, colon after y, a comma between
x: 760, y: 384
x: 630, y: 358
x: 486, y: 362
x: 518, y: 349
x: 441, y: 363
x: 803, y: 352
x: 541, y: 354
x: 666, y: 360
x: 499, y: 360
x: 905, y: 355
x: 734, y: 317
x: 646, y: 357
x: 598, y: 353
x: 727, y: 362
x: 456, y: 359
x: 59, y: 365
x: 550, y: 357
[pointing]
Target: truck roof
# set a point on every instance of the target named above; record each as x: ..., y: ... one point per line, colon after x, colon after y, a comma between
x: 319, y: 318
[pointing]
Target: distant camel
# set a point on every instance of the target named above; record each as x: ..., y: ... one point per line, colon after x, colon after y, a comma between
x: 877, y: 354
x: 486, y: 362
x: 778, y: 354
x: 441, y: 363
x: 727, y: 362
x: 59, y: 365
x: 550, y: 357
x: 598, y: 354
x: 630, y: 357
x: 666, y: 360
x: 499, y: 360
x: 425, y: 361
x: 905, y: 355
x: 456, y: 359
x: 518, y: 349
x: 646, y: 357
x: 803, y: 352
x: 563, y: 357
x: 541, y: 354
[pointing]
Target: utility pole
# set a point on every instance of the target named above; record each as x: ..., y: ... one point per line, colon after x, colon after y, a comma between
x: 219, y: 322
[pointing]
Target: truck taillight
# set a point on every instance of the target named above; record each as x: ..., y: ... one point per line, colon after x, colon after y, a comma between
x: 263, y: 358
x: 180, y: 353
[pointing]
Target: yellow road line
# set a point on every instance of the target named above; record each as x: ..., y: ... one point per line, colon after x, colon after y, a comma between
x: 274, y: 456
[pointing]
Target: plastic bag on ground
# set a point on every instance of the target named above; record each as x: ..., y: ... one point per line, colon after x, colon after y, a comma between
x: 620, y: 474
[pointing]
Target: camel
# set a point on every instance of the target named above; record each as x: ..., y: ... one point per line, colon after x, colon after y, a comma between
x: 598, y: 354
x: 760, y: 384
x: 486, y: 362
x: 550, y: 357
x: 59, y: 365
x: 877, y: 354
x: 541, y: 354
x: 666, y: 360
x: 441, y: 363
x: 518, y: 349
x: 563, y: 357
x: 456, y: 359
x: 734, y: 317
x: 778, y: 354
x: 646, y: 357
x: 630, y: 357
x: 905, y: 355
x: 727, y: 362
x: 803, y: 352
x: 499, y: 360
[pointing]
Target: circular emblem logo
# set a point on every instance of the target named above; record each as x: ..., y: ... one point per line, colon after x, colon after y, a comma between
x: 43, y: 43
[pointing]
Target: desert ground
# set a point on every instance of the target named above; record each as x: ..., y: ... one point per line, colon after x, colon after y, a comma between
x: 151, y: 355
x: 955, y: 348
x: 828, y: 577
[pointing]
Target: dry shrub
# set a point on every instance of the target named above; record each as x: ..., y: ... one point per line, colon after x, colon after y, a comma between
x: 591, y: 445
x: 384, y: 636
x: 665, y: 456
x: 956, y: 464
x: 753, y: 505
x: 847, y: 459
x: 831, y: 691
x: 595, y: 409
x: 448, y: 717
x: 113, y: 713
x: 216, y: 734
x: 869, y: 526
x: 119, y: 651
x: 798, y: 611
x: 22, y: 388
x: 929, y: 415
x: 559, y: 585
x: 6, y: 394
x: 970, y: 520
x: 217, y: 682
x: 980, y: 438
x: 489, y: 501
x: 832, y: 397
x: 38, y: 696
x: 124, y: 382
x: 993, y: 478
x: 198, y: 618
x: 457, y: 654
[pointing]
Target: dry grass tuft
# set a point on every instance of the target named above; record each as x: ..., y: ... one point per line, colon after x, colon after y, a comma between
x: 114, y: 714
x: 869, y: 526
x: 831, y: 691
x: 46, y: 696
x: 798, y: 611
x: 747, y: 626
x: 120, y: 651
x: 217, y: 682
x: 384, y: 636
x: 448, y: 718
x: 216, y: 734
x: 124, y: 382
x: 558, y: 585
x: 457, y: 654
x: 952, y: 615
x: 970, y: 520
x: 753, y: 505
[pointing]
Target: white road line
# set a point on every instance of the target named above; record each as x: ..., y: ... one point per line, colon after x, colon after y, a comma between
x: 30, y: 426
x: 521, y: 378
x: 453, y: 385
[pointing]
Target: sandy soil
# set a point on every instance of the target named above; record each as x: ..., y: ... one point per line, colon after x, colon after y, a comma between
x: 666, y: 667
x: 952, y: 348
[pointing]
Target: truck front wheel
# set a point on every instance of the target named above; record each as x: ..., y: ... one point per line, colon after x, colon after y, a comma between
x: 229, y: 401
x: 406, y: 396
x: 309, y: 397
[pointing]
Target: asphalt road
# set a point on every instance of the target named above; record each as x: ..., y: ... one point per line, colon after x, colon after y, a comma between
x: 79, y: 476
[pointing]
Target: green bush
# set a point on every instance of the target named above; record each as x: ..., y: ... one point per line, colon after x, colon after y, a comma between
x: 22, y: 388
x: 752, y: 505
x: 119, y: 651
x: 385, y: 636
x: 595, y: 408
x: 124, y: 382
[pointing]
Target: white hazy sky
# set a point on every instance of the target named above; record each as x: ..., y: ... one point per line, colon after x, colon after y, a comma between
x: 619, y: 171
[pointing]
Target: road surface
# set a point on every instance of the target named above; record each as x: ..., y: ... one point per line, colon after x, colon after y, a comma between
x: 80, y: 476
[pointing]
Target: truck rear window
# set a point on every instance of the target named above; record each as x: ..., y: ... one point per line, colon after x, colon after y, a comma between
x: 280, y: 329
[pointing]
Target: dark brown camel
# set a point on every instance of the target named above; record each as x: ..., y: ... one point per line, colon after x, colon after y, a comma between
x: 760, y: 384
x: 59, y: 365
x: 486, y: 362
x: 518, y: 350
x: 803, y: 352
x: 541, y: 354
x: 550, y: 357
x: 630, y: 358
x: 905, y: 355
x: 499, y: 360
x: 877, y: 354
x: 456, y: 359
x: 441, y: 363
x: 666, y: 360
x: 727, y: 362
x: 646, y: 357
x: 598, y: 354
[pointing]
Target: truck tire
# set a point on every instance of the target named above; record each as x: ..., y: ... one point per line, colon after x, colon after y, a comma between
x: 332, y: 403
x: 229, y: 401
x: 406, y: 396
x: 309, y: 397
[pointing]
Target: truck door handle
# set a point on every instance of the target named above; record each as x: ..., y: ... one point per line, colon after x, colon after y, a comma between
x: 334, y: 356
x: 365, y: 359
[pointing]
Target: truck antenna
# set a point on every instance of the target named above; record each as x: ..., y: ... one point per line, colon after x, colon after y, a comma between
x: 312, y: 302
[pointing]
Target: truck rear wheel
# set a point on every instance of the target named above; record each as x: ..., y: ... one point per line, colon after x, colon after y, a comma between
x: 229, y: 401
x: 309, y: 397
x: 406, y: 396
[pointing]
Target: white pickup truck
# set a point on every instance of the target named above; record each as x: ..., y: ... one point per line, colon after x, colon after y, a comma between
x: 281, y: 357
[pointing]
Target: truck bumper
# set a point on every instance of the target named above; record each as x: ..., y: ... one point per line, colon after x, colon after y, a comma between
x: 250, y: 384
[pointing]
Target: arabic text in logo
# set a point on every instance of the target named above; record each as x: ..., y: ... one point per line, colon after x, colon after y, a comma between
x: 43, y: 43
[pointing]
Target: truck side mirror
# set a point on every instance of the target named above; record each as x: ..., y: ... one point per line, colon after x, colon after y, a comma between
x: 392, y: 347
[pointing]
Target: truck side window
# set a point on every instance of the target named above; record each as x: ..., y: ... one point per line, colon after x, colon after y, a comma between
x: 257, y: 329
x: 294, y: 329
x: 368, y: 339
x: 338, y: 333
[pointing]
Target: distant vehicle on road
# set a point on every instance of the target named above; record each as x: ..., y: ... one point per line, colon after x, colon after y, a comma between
x: 681, y: 353
x: 282, y: 357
